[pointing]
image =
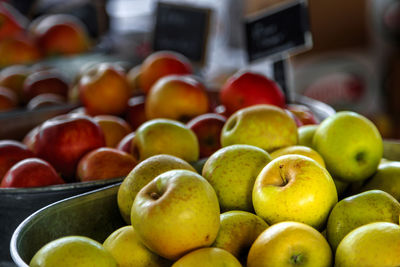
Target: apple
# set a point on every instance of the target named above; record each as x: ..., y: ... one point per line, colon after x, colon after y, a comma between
x: 208, y: 128
x: 127, y: 249
x: 290, y: 244
x: 30, y: 138
x: 141, y: 175
x: 18, y: 50
x: 45, y: 82
x: 303, y: 113
x: 45, y: 100
x: 350, y: 144
x: 13, y: 78
x: 208, y: 257
x: 294, y: 117
x: 294, y: 188
x: 238, y: 231
x: 178, y: 97
x: 232, y: 171
x: 265, y: 126
x: 78, y: 251
x: 114, y: 128
x: 176, y: 213
x: 160, y: 64
x: 374, y: 244
x: 12, y: 152
x: 386, y: 178
x: 299, y: 150
x: 133, y: 78
x: 104, y: 163
x: 247, y: 88
x: 357, y: 210
x: 13, y: 23
x: 341, y: 187
x: 125, y: 144
x: 60, y: 34
x: 31, y: 172
x: 136, y: 114
x: 164, y: 136
x: 306, y: 134
x: 104, y: 90
x: 64, y: 139
x: 8, y: 99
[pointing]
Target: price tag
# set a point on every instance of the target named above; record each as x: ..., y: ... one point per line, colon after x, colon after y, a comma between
x: 283, y: 30
x: 183, y: 29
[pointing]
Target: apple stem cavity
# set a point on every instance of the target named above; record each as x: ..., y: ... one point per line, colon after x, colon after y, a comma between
x: 231, y: 124
x: 282, y: 175
x: 297, y: 259
x: 360, y: 158
x: 154, y: 195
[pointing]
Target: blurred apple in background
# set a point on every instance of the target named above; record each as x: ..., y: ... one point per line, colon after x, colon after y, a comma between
x: 303, y: 113
x: 207, y: 127
x: 45, y: 100
x: 114, y: 128
x: 104, y: 163
x: 31, y: 172
x: 265, y: 126
x: 160, y: 64
x: 13, y: 77
x: 294, y: 117
x: 306, y: 134
x: 60, y: 34
x: 12, y: 152
x: 8, y: 99
x: 45, y: 82
x: 133, y: 78
x: 64, y: 139
x: 178, y: 97
x: 299, y: 150
x: 126, y: 143
x: 103, y: 89
x: 13, y: 23
x: 18, y: 50
x: 247, y: 88
x: 136, y: 114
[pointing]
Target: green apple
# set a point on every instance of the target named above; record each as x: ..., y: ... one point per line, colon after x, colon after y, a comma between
x: 175, y: 213
x: 238, y: 231
x: 141, y: 175
x: 299, y: 150
x: 127, y: 249
x: 387, y: 178
x: 73, y: 251
x: 306, y: 134
x: 350, y: 144
x: 374, y: 244
x: 290, y: 244
x: 232, y: 171
x: 208, y: 257
x: 360, y: 209
x: 265, y: 126
x: 164, y: 136
x: 294, y: 188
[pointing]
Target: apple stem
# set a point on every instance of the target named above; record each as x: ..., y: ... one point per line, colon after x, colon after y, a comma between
x: 284, y: 180
x: 154, y: 195
x: 297, y: 259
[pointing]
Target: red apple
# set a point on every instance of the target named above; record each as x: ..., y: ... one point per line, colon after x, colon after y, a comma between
x: 177, y: 97
x: 45, y: 100
x: 114, y: 128
x: 12, y: 152
x: 60, y: 34
x: 126, y: 144
x: 135, y: 114
x: 103, y: 89
x: 30, y: 138
x: 247, y: 88
x: 45, y: 82
x: 105, y: 163
x: 18, y: 50
x: 160, y: 64
x: 8, y: 99
x: 294, y: 117
x: 207, y: 128
x: 64, y: 139
x: 12, y: 23
x: 31, y: 172
x: 303, y: 113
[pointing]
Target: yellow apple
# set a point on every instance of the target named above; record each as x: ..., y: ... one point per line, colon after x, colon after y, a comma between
x: 299, y: 150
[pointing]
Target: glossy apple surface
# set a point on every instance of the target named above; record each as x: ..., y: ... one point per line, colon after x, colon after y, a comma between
x: 12, y: 152
x: 45, y: 82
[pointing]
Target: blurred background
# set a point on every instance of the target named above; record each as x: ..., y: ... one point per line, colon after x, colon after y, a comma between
x: 354, y: 63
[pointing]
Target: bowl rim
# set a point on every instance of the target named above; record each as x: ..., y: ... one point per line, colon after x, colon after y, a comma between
x: 37, y: 214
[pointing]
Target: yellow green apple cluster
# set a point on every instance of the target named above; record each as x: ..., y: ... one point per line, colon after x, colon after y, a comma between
x: 274, y: 195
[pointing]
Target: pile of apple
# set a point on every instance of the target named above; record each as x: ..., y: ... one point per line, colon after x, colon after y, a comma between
x: 271, y: 194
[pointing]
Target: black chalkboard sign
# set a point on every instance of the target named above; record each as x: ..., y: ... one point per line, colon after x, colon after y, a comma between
x: 282, y: 30
x: 183, y: 29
